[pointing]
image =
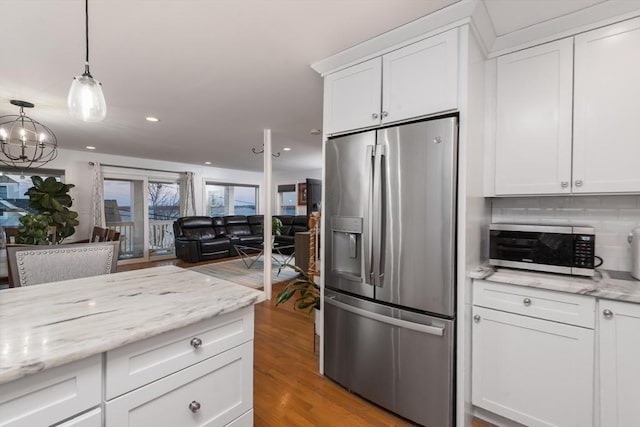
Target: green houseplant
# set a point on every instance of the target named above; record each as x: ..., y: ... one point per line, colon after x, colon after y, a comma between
x: 50, y: 201
x: 307, y: 290
x: 276, y: 227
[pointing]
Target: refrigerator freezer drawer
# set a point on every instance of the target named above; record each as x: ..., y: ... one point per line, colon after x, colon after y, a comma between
x: 399, y: 360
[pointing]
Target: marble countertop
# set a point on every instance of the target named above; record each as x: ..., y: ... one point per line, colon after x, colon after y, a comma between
x: 48, y: 325
x: 612, y: 285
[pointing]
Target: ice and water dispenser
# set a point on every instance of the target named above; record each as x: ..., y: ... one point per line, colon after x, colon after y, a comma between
x: 346, y: 242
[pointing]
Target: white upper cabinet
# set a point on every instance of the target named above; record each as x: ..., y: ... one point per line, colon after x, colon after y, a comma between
x: 587, y: 85
x: 352, y: 97
x: 533, y: 132
x: 606, y: 140
x: 421, y: 78
x: 619, y: 358
x: 416, y: 80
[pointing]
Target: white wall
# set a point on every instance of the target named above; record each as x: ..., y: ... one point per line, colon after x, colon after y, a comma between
x: 612, y: 216
x: 80, y: 173
x: 289, y: 177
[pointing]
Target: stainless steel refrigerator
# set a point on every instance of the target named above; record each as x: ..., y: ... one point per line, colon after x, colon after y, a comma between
x: 389, y: 306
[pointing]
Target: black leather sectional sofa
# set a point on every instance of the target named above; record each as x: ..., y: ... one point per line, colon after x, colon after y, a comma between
x: 200, y: 238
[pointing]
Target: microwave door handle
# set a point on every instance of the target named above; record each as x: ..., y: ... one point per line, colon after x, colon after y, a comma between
x: 367, y: 241
x: 377, y: 215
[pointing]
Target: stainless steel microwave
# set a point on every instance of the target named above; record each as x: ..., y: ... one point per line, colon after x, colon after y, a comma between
x: 552, y: 248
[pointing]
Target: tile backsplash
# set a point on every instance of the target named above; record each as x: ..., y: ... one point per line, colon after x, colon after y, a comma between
x: 613, y: 217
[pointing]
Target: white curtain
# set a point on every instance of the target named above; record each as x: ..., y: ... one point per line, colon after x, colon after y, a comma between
x: 188, y: 207
x: 97, y: 213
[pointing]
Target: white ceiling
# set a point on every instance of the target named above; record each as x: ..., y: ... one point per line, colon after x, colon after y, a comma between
x: 215, y: 72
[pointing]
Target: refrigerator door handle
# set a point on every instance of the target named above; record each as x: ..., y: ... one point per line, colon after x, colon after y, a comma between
x: 377, y: 215
x: 367, y: 242
x: 432, y: 330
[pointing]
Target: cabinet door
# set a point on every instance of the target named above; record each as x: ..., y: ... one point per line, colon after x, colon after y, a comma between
x: 533, y: 129
x: 535, y: 372
x: 352, y: 97
x: 421, y: 78
x: 606, y: 139
x: 619, y: 359
x: 47, y: 397
x: 213, y: 392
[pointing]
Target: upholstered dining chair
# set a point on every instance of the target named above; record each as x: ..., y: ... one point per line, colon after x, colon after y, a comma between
x: 33, y: 265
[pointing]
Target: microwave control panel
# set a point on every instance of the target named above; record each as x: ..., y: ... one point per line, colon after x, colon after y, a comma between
x: 584, y: 250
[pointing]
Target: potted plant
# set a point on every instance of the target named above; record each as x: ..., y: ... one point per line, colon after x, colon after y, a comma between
x: 51, y: 201
x: 276, y: 228
x: 307, y: 290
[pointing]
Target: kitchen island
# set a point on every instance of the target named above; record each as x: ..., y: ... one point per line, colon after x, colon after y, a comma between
x: 159, y: 346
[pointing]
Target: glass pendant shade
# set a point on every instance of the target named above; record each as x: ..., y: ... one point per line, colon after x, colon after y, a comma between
x: 86, y: 100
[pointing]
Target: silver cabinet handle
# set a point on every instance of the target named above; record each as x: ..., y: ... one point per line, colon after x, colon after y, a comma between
x: 385, y: 114
x: 578, y: 183
x: 607, y: 313
x: 564, y: 184
x: 476, y: 318
x: 526, y: 302
x: 194, y: 406
x: 196, y: 342
x: 374, y: 116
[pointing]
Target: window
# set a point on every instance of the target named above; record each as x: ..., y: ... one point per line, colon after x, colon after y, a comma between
x: 231, y: 199
x: 142, y: 204
x: 13, y: 184
x: 287, y: 199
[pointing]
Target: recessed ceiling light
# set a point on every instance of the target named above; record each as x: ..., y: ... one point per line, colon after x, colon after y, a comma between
x: 315, y: 131
x: 90, y: 147
x: 207, y: 163
x: 286, y: 149
x: 152, y: 119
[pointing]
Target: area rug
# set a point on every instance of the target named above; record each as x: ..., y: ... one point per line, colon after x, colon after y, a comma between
x: 237, y: 272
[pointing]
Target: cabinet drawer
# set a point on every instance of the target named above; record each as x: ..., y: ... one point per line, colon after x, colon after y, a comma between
x: 572, y: 309
x: 222, y: 386
x: 90, y: 419
x: 145, y: 361
x: 244, y: 420
x: 52, y: 395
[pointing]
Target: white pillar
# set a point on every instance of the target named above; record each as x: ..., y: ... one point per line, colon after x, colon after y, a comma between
x: 267, y: 188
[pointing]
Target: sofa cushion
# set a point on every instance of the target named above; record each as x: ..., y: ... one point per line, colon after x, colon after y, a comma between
x: 287, y: 223
x: 218, y: 226
x: 253, y: 240
x: 299, y: 225
x: 255, y: 223
x: 214, y: 245
x: 197, y: 227
x: 237, y: 225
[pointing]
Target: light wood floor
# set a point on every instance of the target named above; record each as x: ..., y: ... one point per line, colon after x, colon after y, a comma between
x: 288, y: 390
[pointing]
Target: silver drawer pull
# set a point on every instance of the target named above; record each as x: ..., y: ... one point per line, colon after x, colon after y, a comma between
x: 607, y: 313
x: 476, y: 318
x: 526, y: 302
x: 194, y: 406
x: 196, y: 342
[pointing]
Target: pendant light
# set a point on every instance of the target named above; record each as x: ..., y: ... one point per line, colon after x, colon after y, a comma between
x: 85, y: 100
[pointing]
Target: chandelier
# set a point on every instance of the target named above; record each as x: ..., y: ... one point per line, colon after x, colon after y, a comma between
x: 24, y: 142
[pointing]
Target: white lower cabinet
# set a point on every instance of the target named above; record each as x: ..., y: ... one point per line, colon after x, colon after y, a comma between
x: 211, y: 393
x: 619, y: 364
x: 533, y: 355
x: 198, y: 375
x: 53, y: 395
x: 533, y: 371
